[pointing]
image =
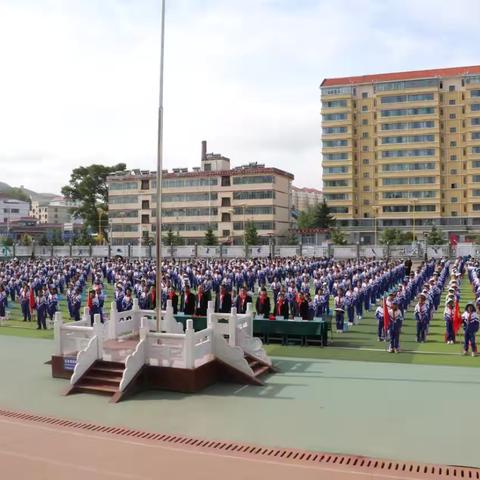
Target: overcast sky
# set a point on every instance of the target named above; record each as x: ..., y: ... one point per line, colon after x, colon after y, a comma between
x: 79, y: 78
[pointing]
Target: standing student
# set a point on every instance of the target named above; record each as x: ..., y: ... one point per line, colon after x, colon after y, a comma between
x: 395, y: 327
x: 223, y: 300
x: 3, y: 304
x: 281, y: 307
x: 25, y: 303
x: 448, y: 316
x: 262, y: 306
x: 470, y: 327
x: 379, y: 315
x: 339, y: 303
x: 41, y: 307
x: 422, y: 316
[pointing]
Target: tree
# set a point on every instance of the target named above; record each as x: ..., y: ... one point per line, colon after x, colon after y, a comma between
x: 306, y: 218
x: 148, y: 241
x: 7, y: 242
x: 338, y: 237
x: 82, y: 238
x: 394, y: 236
x: 43, y: 241
x: 251, y: 234
x: 17, y: 194
x: 323, y: 217
x: 292, y: 238
x: 26, y: 240
x: 171, y: 238
x: 435, y: 237
x: 210, y: 238
x: 57, y: 239
x: 88, y: 187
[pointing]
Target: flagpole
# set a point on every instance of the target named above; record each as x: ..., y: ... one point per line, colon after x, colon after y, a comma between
x: 158, y: 244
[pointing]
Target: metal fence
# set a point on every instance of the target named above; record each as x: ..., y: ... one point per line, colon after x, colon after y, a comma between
x: 417, y: 251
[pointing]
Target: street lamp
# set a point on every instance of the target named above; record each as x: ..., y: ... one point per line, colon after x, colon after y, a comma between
x: 100, y: 212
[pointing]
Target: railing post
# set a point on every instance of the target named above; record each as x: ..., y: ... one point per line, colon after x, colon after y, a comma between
x: 221, y: 251
x: 98, y: 332
x: 144, y: 329
x: 249, y: 317
x: 112, y: 324
x: 169, y: 319
x: 57, y: 333
x: 189, y: 345
x: 210, y: 311
x: 232, y: 327
x: 136, y: 315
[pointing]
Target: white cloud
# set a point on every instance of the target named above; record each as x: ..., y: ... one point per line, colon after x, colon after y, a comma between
x: 79, y: 79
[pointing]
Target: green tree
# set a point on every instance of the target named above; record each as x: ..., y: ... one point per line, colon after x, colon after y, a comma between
x: 43, y: 241
x: 7, y: 242
x: 26, y: 240
x: 251, y: 234
x: 338, y: 237
x: 82, y: 238
x: 306, y: 218
x: 435, y: 237
x: 323, y: 217
x: 57, y: 239
x: 210, y: 238
x: 88, y: 187
x: 292, y: 238
x: 148, y: 241
x: 391, y: 236
x: 171, y: 238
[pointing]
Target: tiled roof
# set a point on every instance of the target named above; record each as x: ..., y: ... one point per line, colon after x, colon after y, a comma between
x: 306, y: 189
x: 411, y: 75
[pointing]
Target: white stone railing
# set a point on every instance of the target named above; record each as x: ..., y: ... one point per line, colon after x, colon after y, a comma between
x: 233, y: 322
x: 89, y: 355
x: 128, y: 322
x: 72, y: 337
x: 136, y: 360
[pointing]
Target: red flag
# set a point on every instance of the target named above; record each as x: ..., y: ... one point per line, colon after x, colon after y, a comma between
x: 32, y: 300
x: 386, y: 315
x: 457, y: 318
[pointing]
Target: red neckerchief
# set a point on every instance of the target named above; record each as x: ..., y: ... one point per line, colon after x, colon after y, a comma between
x: 243, y: 298
x: 262, y: 300
x: 170, y: 295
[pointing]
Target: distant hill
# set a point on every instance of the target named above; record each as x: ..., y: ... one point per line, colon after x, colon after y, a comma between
x: 42, y: 197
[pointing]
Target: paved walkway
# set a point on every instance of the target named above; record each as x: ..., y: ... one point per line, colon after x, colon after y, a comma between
x: 407, y: 412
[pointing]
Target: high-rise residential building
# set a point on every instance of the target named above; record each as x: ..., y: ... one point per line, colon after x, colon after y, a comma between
x: 403, y: 150
x: 211, y: 195
x: 303, y: 197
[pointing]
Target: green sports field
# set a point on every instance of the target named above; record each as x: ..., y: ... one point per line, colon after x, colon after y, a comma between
x: 358, y: 344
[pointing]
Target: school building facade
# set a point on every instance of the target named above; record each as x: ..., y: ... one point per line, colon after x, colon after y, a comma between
x: 211, y: 195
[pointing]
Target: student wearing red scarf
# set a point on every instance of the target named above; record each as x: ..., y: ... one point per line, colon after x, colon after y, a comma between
x: 301, y: 306
x: 223, y: 301
x: 172, y: 295
x: 242, y: 299
x: 188, y: 301
x: 201, y: 302
x: 281, y: 307
x: 262, y: 306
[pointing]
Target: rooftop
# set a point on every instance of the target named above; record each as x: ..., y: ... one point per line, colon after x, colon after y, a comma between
x: 306, y: 189
x: 410, y: 75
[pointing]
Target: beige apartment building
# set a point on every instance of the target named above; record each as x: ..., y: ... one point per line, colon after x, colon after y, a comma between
x: 403, y: 150
x: 212, y: 195
x: 303, y: 197
x: 57, y: 210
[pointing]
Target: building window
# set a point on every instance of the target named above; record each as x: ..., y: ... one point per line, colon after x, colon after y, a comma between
x: 145, y: 184
x: 145, y: 219
x: 225, y: 201
x: 365, y: 161
x: 225, y: 181
x: 207, y: 167
x: 365, y: 94
x: 453, y: 158
x: 225, y: 233
x: 453, y: 144
x: 453, y: 185
x: 452, y: 116
x: 145, y: 204
x: 453, y: 171
x: 451, y: 88
x: 364, y: 121
x: 451, y: 102
x: 454, y: 200
x: 453, y: 129
x: 365, y: 134
x: 365, y: 148
x: 364, y: 108
x: 225, y: 217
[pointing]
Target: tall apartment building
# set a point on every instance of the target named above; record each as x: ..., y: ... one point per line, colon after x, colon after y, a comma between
x: 403, y: 150
x: 212, y: 195
x: 303, y: 197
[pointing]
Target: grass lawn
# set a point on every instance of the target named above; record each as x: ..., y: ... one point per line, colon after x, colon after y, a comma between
x: 358, y: 344
x: 16, y: 326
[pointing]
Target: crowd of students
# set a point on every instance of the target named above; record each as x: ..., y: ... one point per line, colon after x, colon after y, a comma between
x: 301, y: 288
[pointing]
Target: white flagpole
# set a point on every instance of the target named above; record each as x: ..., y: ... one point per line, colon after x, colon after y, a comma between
x: 158, y: 246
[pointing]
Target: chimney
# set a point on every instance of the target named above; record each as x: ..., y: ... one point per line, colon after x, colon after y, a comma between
x: 204, y: 150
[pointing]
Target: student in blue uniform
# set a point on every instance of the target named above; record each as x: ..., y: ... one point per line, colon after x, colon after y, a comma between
x: 395, y: 327
x: 25, y: 303
x: 339, y: 310
x: 41, y: 307
x: 448, y: 315
x: 422, y: 318
x: 379, y: 315
x: 470, y: 327
x: 76, y: 304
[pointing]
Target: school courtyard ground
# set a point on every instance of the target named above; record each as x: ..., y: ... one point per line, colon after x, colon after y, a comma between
x: 350, y: 398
